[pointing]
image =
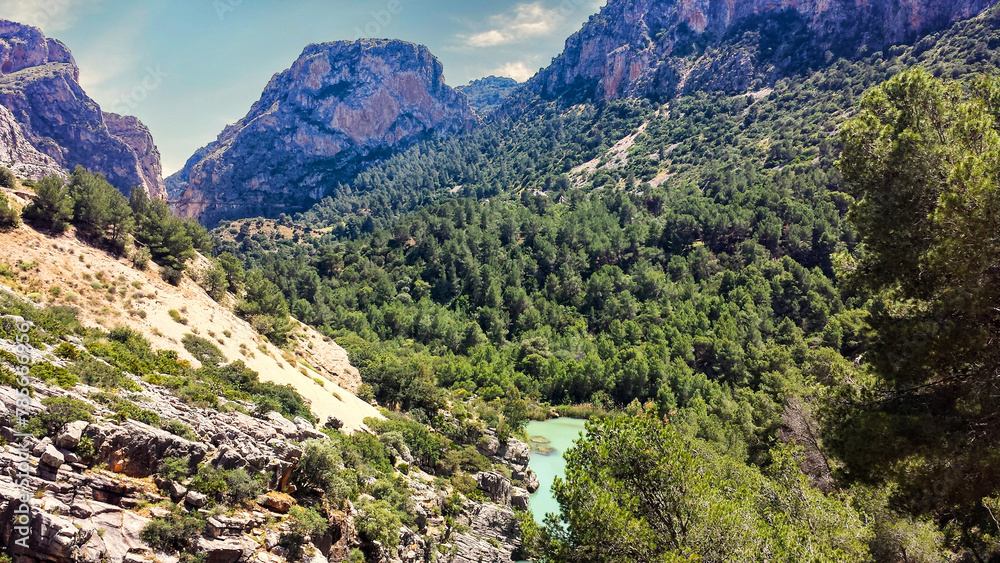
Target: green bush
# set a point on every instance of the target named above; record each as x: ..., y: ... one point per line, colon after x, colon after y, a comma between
x: 319, y: 468
x: 173, y: 533
x: 178, y: 428
x: 9, y: 218
x: 203, y: 350
x: 54, y: 374
x: 7, y: 179
x: 227, y: 486
x: 378, y: 522
x: 304, y: 523
x: 99, y: 374
x: 58, y: 411
x: 124, y: 409
x: 173, y: 469
x: 52, y: 207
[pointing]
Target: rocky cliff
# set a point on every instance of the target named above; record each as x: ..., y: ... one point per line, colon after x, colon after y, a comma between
x: 656, y: 48
x: 486, y: 94
x: 339, y: 106
x: 17, y: 154
x: 39, y: 86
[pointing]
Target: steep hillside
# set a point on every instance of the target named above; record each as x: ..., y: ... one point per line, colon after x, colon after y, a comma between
x: 486, y: 94
x: 39, y: 85
x: 160, y: 426
x: 339, y: 106
x: 110, y: 292
x: 659, y: 48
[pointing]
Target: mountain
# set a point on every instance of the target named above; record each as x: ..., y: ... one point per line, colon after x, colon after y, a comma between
x: 339, y: 106
x: 39, y: 86
x: 657, y: 48
x: 17, y: 154
x: 486, y: 94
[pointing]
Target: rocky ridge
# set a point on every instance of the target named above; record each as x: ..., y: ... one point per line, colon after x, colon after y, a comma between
x: 339, y: 106
x: 39, y: 87
x: 98, y: 488
x: 658, y: 48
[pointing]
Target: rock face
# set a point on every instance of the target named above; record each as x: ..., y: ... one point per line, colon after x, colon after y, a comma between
x: 339, y: 106
x: 39, y: 86
x: 17, y: 154
x: 657, y: 48
x: 486, y: 94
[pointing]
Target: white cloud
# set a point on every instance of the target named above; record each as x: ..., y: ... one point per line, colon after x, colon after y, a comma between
x: 525, y: 21
x: 517, y: 70
x: 49, y: 15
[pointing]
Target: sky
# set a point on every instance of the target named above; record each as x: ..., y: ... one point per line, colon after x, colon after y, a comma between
x: 188, y: 68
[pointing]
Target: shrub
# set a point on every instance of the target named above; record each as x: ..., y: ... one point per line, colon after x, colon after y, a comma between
x: 54, y: 374
x: 203, y: 350
x: 67, y: 351
x: 173, y: 468
x: 173, y: 533
x: 99, y: 374
x: 227, y: 486
x: 52, y: 207
x: 178, y: 428
x: 59, y: 411
x: 319, y: 468
x: 85, y: 449
x: 304, y: 522
x: 378, y: 522
x: 125, y: 409
x: 7, y: 179
x: 9, y: 217
x: 141, y: 258
x: 172, y: 275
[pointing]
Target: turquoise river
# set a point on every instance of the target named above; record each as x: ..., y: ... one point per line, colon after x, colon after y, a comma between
x: 549, y: 440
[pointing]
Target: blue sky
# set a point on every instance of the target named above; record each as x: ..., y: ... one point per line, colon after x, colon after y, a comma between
x: 187, y: 68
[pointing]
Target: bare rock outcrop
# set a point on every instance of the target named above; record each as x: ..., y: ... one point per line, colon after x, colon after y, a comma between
x: 658, y: 48
x: 39, y: 86
x: 19, y: 155
x: 340, y: 105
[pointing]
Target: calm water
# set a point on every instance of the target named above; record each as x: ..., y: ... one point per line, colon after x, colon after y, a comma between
x: 560, y: 432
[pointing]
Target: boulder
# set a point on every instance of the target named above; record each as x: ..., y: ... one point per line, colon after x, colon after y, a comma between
x: 519, y: 498
x: 71, y: 434
x: 195, y: 499
x: 496, y: 485
x: 52, y: 457
x: 531, y: 481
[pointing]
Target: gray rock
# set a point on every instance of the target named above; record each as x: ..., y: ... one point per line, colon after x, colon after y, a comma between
x: 177, y: 491
x: 496, y: 485
x: 519, y: 498
x: 52, y: 457
x: 195, y: 499
x: 531, y: 481
x: 71, y: 434
x: 346, y: 101
x: 40, y: 447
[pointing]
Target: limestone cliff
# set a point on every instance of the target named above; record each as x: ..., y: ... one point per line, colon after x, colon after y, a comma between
x: 657, y: 48
x: 39, y: 86
x: 339, y: 106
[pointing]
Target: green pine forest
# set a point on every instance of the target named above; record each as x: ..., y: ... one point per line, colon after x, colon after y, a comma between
x: 782, y: 305
x: 779, y: 308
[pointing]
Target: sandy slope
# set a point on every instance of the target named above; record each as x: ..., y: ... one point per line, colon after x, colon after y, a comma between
x: 109, y: 292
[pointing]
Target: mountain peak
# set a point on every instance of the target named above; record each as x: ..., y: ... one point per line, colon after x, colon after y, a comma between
x: 39, y: 85
x: 657, y: 48
x: 339, y: 106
